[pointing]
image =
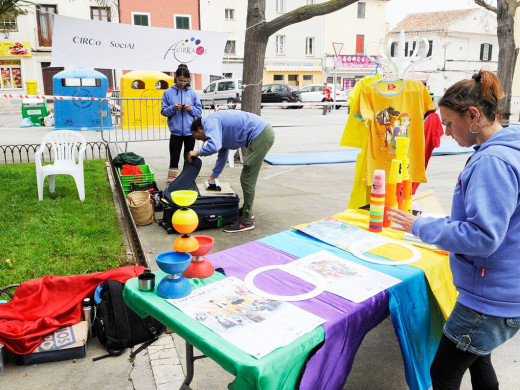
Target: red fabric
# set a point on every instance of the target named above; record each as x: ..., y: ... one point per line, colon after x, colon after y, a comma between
x: 42, y: 306
x: 130, y: 170
x: 433, y: 132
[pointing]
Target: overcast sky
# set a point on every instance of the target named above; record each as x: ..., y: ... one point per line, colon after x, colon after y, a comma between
x: 396, y: 10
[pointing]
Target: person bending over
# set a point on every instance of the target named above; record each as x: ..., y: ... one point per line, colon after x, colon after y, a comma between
x: 226, y: 130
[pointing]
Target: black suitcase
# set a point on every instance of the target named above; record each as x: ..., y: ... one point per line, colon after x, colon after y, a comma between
x: 213, y: 211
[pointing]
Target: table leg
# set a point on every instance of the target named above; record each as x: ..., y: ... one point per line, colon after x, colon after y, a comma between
x: 190, y: 368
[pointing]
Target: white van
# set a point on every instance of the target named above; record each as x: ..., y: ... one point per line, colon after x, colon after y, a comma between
x: 228, y: 91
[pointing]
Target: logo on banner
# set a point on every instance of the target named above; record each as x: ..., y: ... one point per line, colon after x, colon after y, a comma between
x: 186, y: 50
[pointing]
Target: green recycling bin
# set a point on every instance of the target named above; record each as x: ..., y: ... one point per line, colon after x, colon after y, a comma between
x: 34, y: 109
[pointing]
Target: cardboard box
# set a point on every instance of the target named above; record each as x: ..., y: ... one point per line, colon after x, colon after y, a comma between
x: 64, y: 344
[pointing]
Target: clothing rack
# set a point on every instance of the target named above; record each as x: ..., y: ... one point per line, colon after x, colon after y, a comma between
x: 400, y: 64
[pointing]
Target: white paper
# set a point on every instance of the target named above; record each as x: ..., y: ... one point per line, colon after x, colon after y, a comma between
x: 345, y: 278
x: 342, y: 235
x: 252, y: 323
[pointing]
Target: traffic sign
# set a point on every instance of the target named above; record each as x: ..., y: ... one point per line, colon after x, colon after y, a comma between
x: 337, y: 47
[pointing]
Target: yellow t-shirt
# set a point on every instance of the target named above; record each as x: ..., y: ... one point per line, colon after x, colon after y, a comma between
x: 355, y: 132
x: 355, y: 135
x: 387, y: 108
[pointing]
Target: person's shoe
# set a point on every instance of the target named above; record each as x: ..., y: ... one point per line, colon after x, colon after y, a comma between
x: 240, y: 226
x: 241, y: 212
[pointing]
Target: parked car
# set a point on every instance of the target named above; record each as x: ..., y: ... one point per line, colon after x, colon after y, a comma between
x: 228, y: 91
x: 281, y: 93
x: 314, y: 93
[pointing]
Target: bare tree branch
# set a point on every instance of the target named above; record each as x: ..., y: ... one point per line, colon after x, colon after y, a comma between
x: 304, y: 13
x: 485, y: 5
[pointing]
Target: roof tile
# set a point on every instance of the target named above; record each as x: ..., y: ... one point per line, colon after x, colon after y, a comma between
x: 427, y: 21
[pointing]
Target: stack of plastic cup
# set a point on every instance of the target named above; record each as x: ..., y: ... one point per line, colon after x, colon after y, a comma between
x: 401, y: 153
x: 377, y: 201
x: 391, y: 188
x: 407, y: 188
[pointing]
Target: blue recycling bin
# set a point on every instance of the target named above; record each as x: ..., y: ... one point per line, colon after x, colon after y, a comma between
x: 80, y: 114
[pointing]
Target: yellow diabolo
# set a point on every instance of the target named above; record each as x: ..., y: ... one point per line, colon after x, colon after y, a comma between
x: 185, y: 221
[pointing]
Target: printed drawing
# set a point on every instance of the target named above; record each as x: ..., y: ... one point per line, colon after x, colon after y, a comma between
x: 394, y: 123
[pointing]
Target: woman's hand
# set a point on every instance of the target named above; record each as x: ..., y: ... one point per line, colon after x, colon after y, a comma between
x: 403, y: 220
x: 192, y: 154
x: 187, y: 107
x: 177, y: 106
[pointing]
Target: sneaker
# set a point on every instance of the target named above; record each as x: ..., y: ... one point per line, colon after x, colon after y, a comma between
x: 239, y: 226
x: 241, y: 212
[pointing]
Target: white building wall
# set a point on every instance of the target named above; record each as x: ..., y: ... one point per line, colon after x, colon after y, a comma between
x: 344, y: 25
x: 456, y: 52
x: 212, y: 18
x: 295, y: 34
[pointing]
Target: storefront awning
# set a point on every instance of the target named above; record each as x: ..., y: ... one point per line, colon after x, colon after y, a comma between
x: 289, y: 68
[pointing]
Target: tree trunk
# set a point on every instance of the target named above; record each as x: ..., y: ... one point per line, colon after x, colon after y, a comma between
x: 507, y: 52
x: 254, y: 56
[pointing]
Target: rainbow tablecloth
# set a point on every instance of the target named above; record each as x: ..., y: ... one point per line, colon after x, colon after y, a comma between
x: 414, y: 311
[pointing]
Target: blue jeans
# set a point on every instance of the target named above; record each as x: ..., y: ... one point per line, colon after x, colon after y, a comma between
x: 478, y: 333
x: 467, y: 342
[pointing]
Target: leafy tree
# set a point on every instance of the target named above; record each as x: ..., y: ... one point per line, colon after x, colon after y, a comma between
x: 507, y: 50
x: 257, y: 34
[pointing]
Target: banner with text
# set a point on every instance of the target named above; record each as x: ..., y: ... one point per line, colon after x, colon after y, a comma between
x: 88, y: 43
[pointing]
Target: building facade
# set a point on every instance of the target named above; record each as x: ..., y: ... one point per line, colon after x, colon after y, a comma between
x: 26, y: 47
x: 303, y: 53
x: 226, y: 16
x: 363, y: 26
x: 165, y: 14
x: 460, y: 42
x: 300, y: 54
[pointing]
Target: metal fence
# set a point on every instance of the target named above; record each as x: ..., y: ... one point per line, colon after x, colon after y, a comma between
x: 11, y: 154
x: 138, y: 120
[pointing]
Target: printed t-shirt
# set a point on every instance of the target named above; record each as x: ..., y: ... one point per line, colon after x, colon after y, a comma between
x: 355, y: 135
x: 388, y: 108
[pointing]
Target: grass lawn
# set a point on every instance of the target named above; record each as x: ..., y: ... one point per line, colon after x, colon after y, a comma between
x: 59, y: 235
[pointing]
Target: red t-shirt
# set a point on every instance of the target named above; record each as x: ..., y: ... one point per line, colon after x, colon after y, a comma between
x: 327, y: 91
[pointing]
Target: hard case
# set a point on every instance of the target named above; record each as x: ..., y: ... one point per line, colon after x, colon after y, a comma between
x: 213, y: 211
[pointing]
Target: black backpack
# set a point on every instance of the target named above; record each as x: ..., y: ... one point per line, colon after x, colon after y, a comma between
x: 118, y: 327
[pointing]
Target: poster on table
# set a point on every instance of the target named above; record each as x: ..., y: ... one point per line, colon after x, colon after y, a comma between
x: 358, y: 241
x: 254, y: 324
x: 341, y: 234
x: 345, y: 278
x: 96, y: 44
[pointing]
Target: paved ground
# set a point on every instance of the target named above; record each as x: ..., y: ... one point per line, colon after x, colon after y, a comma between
x: 286, y: 195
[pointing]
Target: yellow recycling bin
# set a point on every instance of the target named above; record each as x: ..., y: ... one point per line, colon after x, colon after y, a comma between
x: 32, y: 87
x: 140, y: 91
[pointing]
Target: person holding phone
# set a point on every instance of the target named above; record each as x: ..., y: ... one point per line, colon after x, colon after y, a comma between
x: 180, y: 104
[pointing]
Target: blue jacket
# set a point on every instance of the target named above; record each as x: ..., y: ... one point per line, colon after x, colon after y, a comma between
x: 483, y: 232
x: 226, y: 130
x: 179, y: 122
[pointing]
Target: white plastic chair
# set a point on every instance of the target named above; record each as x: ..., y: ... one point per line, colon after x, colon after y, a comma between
x: 67, y: 160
